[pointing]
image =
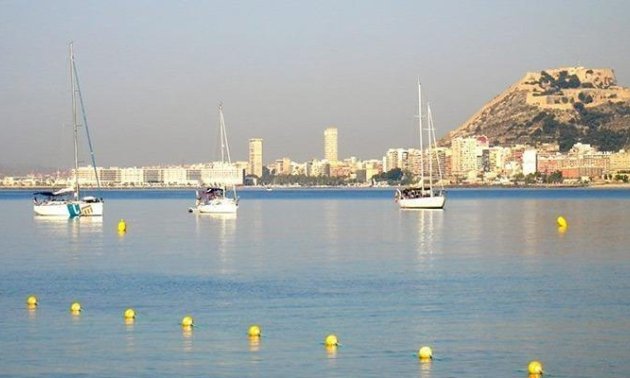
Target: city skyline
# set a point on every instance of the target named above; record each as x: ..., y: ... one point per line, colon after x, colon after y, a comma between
x: 284, y: 71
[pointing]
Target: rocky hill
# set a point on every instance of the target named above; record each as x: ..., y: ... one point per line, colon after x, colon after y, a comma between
x: 562, y: 105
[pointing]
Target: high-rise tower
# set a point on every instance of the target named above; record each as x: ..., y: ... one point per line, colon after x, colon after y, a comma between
x: 330, y: 144
x: 255, y: 157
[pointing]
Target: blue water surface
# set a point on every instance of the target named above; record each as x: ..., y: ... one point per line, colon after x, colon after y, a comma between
x: 489, y: 283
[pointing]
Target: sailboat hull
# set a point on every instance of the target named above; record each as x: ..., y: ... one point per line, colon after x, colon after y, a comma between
x: 422, y: 203
x: 69, y: 209
x: 218, y: 206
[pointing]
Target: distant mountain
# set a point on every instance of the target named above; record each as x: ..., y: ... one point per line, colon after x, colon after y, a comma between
x: 562, y: 105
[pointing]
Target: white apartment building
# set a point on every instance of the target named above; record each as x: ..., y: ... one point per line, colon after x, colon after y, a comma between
x: 219, y: 173
x: 394, y: 159
x: 255, y: 165
x: 498, y: 157
x: 331, y: 144
x: 132, y: 176
x: 530, y: 160
x: 318, y: 168
x: 175, y: 175
x: 464, y: 158
x: 283, y: 166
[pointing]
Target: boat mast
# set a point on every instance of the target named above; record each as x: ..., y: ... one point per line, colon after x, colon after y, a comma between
x: 429, y: 149
x: 74, y: 124
x: 420, y: 129
x: 225, y: 147
x: 85, y: 123
x: 437, y: 157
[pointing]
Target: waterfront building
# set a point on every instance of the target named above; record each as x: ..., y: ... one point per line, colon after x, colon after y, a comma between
x: 483, y: 155
x: 85, y: 175
x: 255, y: 157
x: 221, y: 173
x: 216, y: 173
x: 152, y: 176
x: 331, y: 144
x: 620, y: 162
x: 530, y: 161
x: 318, y: 168
x: 9, y: 181
x: 437, y: 168
x: 299, y: 168
x: 579, y: 164
x: 132, y: 176
x: 176, y: 176
x: 414, y: 159
x: 395, y: 158
x: 108, y: 176
x: 282, y: 166
x: 464, y: 156
x: 340, y: 169
x: 498, y: 157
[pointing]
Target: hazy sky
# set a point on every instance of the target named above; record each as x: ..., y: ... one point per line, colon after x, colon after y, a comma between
x: 153, y: 72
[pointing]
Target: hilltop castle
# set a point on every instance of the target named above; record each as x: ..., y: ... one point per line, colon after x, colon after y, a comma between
x: 561, y: 88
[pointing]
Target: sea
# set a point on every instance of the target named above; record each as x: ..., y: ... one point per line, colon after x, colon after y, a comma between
x: 490, y: 283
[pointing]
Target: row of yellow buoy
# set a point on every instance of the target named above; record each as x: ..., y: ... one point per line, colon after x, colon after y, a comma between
x: 425, y: 354
x: 561, y: 222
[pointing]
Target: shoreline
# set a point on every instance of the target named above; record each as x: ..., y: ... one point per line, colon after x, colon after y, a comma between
x: 288, y: 187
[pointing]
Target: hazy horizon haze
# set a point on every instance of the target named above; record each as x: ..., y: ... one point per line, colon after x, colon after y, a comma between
x: 153, y: 72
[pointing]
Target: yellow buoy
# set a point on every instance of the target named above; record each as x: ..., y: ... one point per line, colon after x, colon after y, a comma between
x: 425, y: 353
x: 122, y: 226
x: 75, y: 307
x: 535, y: 367
x: 331, y: 340
x: 31, y: 301
x: 254, y: 331
x: 129, y: 314
x: 187, y: 321
x: 561, y: 222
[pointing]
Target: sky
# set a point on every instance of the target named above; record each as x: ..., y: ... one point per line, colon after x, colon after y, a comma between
x: 152, y: 73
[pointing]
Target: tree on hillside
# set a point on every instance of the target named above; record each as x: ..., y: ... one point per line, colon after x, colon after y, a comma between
x: 568, y: 135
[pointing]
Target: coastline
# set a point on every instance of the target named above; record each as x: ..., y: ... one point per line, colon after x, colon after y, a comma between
x: 338, y: 187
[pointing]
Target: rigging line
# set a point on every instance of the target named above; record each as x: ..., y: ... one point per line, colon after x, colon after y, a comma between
x: 87, y: 129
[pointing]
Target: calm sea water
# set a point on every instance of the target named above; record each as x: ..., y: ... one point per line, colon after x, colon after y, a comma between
x: 490, y: 283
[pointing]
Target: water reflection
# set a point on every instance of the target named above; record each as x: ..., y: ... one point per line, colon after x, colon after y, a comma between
x: 218, y: 231
x: 32, y: 312
x: 187, y: 337
x: 331, y: 228
x: 529, y: 226
x: 227, y: 222
x: 71, y: 228
x: 331, y: 210
x: 425, y: 369
x: 427, y: 228
x: 331, y: 351
x: 255, y: 216
x: 131, y: 341
x: 254, y: 343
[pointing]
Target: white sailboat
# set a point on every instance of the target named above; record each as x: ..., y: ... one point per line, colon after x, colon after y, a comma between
x: 67, y: 202
x: 219, y: 199
x: 428, y: 193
